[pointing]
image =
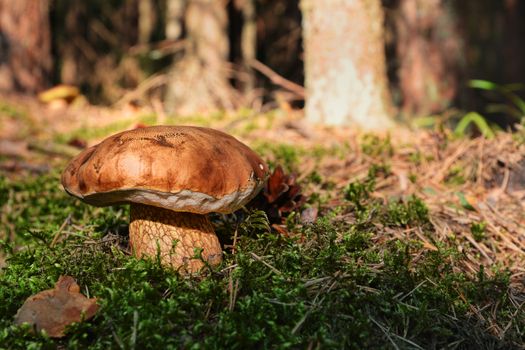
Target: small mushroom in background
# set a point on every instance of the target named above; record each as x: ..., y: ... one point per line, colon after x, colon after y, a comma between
x: 172, y: 176
x: 61, y: 96
x: 53, y: 310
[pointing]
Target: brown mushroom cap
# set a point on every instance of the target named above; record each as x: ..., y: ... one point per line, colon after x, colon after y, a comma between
x: 181, y: 168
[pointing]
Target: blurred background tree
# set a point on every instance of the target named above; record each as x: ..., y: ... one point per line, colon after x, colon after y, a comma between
x: 96, y: 47
x: 25, y: 46
x: 199, y: 81
x: 429, y: 48
x: 200, y: 55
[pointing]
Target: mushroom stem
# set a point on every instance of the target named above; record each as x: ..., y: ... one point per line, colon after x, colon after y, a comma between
x: 173, y: 236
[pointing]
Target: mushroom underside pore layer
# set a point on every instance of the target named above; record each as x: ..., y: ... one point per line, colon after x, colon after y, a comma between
x: 173, y: 236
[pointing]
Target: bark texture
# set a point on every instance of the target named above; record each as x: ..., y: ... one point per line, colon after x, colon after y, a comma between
x: 345, y: 72
x: 248, y: 42
x: 173, y: 236
x: 146, y: 21
x: 25, y: 45
x: 513, y: 34
x: 174, y: 18
x: 429, y: 49
x: 199, y: 81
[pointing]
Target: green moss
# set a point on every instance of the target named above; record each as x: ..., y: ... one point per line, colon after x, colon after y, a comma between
x: 280, y: 154
x: 331, y: 284
x: 478, y: 230
x: 455, y: 176
x: 410, y: 212
x: 9, y: 111
x: 376, y: 146
x: 90, y: 133
x: 17, y: 114
x: 38, y: 206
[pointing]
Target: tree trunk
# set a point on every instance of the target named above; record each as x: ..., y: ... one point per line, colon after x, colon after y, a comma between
x: 199, y: 81
x: 174, y: 18
x: 25, y: 45
x: 429, y: 48
x: 345, y: 72
x: 146, y: 21
x: 248, y: 42
x: 513, y: 34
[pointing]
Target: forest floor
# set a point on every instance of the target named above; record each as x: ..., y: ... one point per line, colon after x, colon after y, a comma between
x: 406, y: 239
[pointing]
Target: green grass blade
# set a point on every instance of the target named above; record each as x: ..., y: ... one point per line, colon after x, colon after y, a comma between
x: 504, y: 109
x: 518, y: 101
x: 478, y: 120
x: 483, y: 85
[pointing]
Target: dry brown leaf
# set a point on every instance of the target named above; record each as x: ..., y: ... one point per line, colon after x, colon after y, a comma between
x: 54, y: 309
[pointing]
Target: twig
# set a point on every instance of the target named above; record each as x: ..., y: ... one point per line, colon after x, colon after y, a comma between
x: 479, y: 175
x: 512, y: 318
x: 478, y: 247
x: 258, y: 258
x: 412, y: 291
x: 57, y: 234
x: 512, y: 241
x: 148, y: 84
x: 299, y: 324
x: 119, y: 341
x: 12, y: 148
x: 227, y: 268
x: 426, y: 243
x: 385, y: 332
x: 277, y: 79
x: 53, y: 149
x: 233, y: 290
x: 208, y: 310
x: 162, y: 48
x: 133, y: 338
x: 315, y: 281
x: 447, y: 163
x: 14, y: 166
x: 234, y: 244
x: 368, y: 289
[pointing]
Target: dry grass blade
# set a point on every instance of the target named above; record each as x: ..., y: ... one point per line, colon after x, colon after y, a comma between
x: 385, y: 332
x: 447, y: 163
x: 258, y: 258
x: 66, y: 222
x: 464, y: 183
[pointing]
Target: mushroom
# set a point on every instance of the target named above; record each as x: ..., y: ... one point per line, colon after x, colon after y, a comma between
x: 172, y: 176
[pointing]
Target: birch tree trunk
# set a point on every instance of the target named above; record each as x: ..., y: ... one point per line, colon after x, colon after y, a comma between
x: 345, y: 71
x: 25, y: 45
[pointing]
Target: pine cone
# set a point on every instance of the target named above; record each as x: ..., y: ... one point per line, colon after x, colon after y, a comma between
x: 281, y: 196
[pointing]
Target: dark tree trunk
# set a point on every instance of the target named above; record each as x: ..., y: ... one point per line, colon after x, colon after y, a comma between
x: 25, y: 45
x: 513, y: 34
